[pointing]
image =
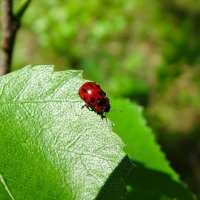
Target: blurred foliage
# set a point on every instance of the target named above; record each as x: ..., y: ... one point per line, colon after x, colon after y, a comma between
x: 148, y: 52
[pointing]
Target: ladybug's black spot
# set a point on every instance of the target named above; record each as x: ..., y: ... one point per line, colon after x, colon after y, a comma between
x: 101, y: 93
x: 92, y: 99
x: 84, y: 90
x: 90, y: 84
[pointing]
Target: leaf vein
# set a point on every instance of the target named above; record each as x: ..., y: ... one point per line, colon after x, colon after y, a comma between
x: 6, y: 187
x: 93, y: 155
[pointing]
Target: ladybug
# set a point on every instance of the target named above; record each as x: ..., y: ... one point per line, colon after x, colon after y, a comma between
x: 95, y: 98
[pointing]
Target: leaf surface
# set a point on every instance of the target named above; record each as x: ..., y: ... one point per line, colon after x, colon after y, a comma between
x: 50, y: 148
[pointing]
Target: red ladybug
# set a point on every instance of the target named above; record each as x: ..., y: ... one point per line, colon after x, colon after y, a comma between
x: 94, y: 97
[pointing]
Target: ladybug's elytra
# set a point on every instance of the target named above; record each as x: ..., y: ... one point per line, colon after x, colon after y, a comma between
x: 94, y: 97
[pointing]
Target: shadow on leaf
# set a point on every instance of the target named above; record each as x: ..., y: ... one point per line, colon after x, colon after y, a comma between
x: 144, y: 183
x: 115, y: 186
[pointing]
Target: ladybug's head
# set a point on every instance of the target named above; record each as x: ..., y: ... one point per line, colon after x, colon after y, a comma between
x: 106, y: 108
x: 103, y: 105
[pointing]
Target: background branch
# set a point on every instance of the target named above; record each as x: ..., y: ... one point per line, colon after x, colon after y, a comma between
x: 10, y: 26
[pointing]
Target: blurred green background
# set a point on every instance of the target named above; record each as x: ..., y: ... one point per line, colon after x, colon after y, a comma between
x: 147, y: 51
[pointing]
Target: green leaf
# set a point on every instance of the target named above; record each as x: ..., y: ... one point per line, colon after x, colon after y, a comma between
x: 152, y: 178
x: 50, y: 148
x: 140, y: 142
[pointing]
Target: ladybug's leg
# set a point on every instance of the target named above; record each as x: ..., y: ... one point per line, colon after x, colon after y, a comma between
x: 87, y: 106
x: 84, y: 106
x: 102, y: 115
